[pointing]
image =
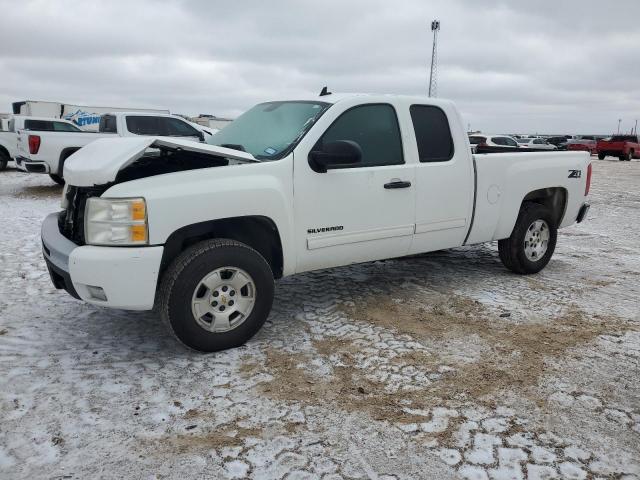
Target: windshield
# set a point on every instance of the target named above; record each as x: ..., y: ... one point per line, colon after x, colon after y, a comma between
x: 269, y: 131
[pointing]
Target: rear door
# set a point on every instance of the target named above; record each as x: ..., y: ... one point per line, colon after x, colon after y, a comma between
x: 444, y: 179
x: 361, y: 213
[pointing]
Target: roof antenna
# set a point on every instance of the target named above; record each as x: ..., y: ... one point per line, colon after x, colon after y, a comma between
x: 324, y: 92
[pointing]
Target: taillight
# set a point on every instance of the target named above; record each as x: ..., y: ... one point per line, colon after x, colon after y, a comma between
x: 588, y: 185
x: 34, y: 144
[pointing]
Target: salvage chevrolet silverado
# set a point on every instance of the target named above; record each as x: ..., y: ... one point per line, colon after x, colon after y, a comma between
x: 201, y: 231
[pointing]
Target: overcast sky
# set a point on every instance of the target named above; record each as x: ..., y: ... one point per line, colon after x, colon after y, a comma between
x: 512, y: 66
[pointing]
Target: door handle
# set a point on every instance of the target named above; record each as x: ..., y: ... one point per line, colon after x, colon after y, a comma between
x: 397, y: 184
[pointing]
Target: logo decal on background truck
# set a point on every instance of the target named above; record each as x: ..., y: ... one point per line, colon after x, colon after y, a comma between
x: 575, y: 173
x: 325, y: 229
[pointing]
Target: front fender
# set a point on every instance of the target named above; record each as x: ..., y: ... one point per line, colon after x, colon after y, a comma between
x: 179, y: 199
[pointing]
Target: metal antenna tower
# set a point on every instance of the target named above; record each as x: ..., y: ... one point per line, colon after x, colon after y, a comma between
x: 433, y: 78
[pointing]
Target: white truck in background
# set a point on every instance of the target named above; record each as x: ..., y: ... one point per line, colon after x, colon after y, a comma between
x: 45, y: 145
x: 8, y: 143
x: 84, y: 116
x: 201, y: 231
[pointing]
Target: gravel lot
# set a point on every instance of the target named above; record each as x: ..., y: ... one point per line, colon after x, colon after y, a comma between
x: 438, y: 366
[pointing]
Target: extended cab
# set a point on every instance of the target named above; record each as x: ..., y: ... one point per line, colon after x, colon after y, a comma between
x: 44, y: 147
x: 201, y: 231
x: 625, y: 147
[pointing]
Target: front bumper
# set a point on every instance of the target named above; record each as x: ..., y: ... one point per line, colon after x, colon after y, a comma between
x: 126, y: 275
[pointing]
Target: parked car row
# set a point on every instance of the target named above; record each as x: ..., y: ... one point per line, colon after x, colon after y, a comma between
x: 625, y: 147
x: 485, y: 143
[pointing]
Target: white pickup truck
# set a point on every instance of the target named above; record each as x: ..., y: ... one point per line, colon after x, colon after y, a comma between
x: 45, y: 147
x: 201, y: 231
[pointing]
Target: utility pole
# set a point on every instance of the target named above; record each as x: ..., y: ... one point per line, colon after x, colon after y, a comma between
x: 635, y: 130
x: 433, y: 78
x: 619, y: 121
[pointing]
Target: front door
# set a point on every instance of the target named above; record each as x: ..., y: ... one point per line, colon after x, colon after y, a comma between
x: 360, y: 213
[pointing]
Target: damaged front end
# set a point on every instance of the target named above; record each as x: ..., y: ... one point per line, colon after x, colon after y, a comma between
x: 106, y: 162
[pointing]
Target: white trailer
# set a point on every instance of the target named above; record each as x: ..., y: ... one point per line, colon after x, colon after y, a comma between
x: 85, y: 117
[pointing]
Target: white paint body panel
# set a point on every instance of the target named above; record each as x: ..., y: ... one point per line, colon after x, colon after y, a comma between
x: 128, y: 276
x: 371, y: 222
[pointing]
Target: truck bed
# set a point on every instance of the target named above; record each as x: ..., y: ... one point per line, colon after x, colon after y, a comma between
x: 498, y: 200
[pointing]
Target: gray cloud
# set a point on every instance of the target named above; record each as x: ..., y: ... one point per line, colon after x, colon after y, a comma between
x: 547, y: 66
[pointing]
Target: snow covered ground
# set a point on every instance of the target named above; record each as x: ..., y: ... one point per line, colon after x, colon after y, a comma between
x: 438, y: 366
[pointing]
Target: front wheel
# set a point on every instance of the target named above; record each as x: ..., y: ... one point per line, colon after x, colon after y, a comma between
x: 601, y: 156
x: 532, y: 242
x: 216, y: 295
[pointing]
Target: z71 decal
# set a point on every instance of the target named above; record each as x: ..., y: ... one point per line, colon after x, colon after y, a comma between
x: 575, y: 173
x: 325, y: 229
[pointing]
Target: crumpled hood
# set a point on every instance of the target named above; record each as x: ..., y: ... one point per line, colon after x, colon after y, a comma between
x: 99, y: 162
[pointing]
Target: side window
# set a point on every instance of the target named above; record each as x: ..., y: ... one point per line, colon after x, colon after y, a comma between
x: 435, y: 143
x: 179, y: 128
x: 499, y: 141
x: 145, y: 125
x: 509, y: 142
x: 539, y: 141
x: 64, y: 127
x: 108, y: 124
x: 373, y: 127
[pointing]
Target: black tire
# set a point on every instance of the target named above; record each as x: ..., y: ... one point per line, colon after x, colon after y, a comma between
x: 56, y: 178
x: 601, y: 156
x: 512, y: 249
x: 630, y: 155
x: 184, y: 275
x: 4, y: 160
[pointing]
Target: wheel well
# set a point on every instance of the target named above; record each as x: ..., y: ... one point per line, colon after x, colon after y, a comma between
x: 260, y: 233
x: 5, y: 151
x: 554, y: 198
x: 66, y: 153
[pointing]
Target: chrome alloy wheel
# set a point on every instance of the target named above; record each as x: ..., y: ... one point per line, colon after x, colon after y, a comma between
x: 536, y: 240
x: 223, y: 299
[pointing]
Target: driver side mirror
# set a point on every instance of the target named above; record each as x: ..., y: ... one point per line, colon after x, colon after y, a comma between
x: 338, y: 154
x: 201, y: 135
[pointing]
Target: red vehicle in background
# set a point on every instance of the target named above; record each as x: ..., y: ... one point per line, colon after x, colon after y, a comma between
x: 625, y: 147
x: 583, y: 144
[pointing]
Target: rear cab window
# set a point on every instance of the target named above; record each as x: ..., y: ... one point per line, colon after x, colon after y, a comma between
x: 433, y: 134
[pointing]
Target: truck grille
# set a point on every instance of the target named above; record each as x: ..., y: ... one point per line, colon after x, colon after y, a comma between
x: 71, y: 220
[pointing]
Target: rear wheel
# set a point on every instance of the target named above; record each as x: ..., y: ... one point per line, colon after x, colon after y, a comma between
x: 630, y: 155
x: 57, y: 178
x: 601, y: 156
x: 532, y: 242
x: 216, y: 295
